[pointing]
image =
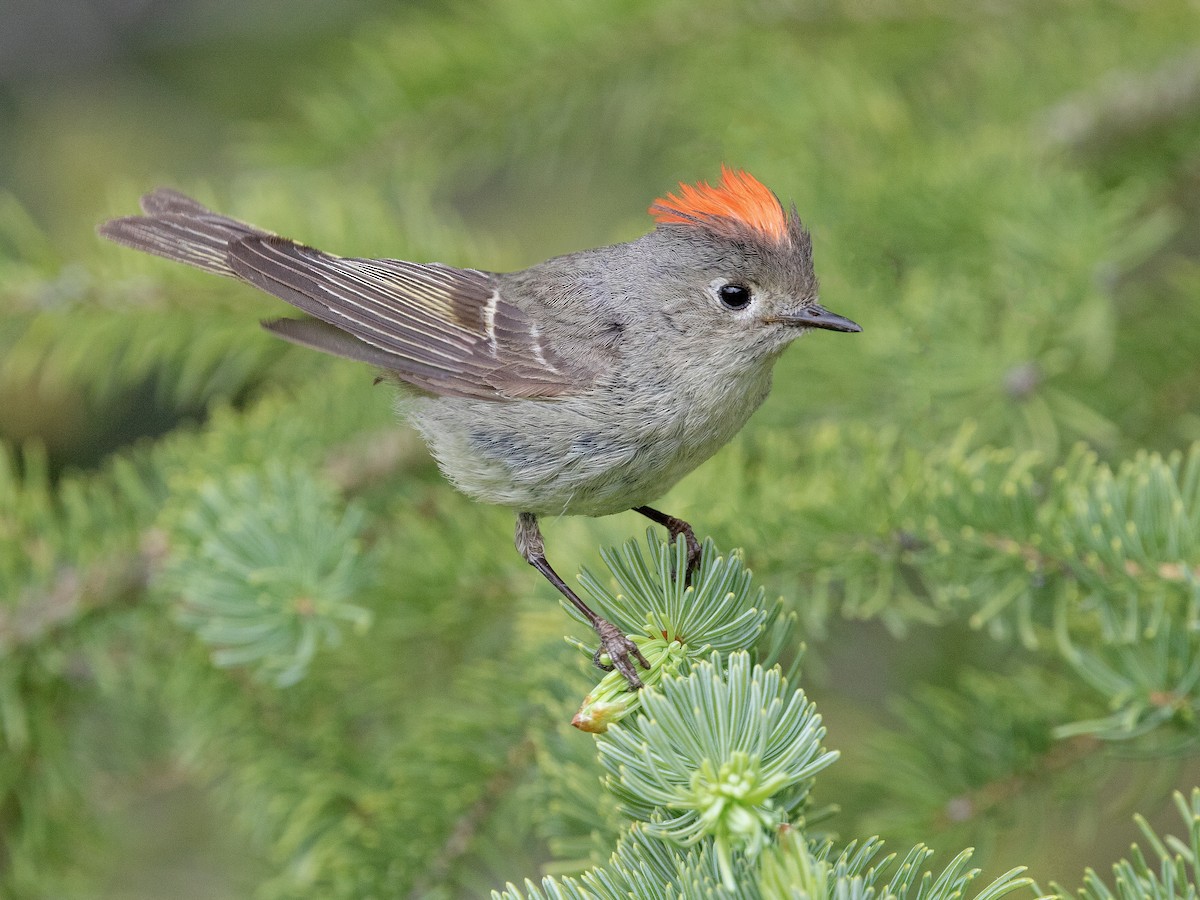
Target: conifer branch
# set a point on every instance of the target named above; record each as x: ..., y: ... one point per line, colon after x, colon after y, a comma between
x: 1170, y: 870
x: 469, y: 823
x: 122, y: 575
x: 75, y: 593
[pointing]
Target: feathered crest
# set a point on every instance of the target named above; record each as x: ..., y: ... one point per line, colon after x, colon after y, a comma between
x: 740, y: 199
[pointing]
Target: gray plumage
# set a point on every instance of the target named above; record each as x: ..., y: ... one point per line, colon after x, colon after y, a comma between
x: 587, y: 384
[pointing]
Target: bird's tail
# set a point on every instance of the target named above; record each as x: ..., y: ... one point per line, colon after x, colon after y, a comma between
x: 177, y: 227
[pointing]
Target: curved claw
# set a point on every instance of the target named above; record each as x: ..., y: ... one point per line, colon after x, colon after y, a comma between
x: 693, y: 554
x: 676, y: 528
x: 619, y: 649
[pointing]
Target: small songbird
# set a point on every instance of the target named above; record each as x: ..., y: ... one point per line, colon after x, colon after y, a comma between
x: 588, y: 384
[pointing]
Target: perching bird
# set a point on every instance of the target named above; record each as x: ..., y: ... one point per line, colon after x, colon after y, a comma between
x: 588, y: 384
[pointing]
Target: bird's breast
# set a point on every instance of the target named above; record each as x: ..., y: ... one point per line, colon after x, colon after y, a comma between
x: 621, y: 444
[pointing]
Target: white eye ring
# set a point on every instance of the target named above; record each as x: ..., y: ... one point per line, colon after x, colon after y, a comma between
x: 732, y: 294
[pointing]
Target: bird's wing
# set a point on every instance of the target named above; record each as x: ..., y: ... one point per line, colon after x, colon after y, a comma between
x: 444, y: 330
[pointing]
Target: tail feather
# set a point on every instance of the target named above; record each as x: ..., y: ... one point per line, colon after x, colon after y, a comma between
x: 178, y: 228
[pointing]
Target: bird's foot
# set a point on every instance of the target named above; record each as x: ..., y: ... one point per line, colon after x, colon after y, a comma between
x: 619, y: 649
x: 693, y: 554
x: 681, y: 529
x: 676, y: 528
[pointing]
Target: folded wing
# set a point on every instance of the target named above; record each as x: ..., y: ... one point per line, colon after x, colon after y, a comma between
x: 444, y: 330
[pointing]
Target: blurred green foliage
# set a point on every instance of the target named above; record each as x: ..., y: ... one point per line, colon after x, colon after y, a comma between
x: 995, y: 576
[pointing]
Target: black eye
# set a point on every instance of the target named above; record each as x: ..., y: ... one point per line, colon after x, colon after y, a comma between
x: 734, y: 296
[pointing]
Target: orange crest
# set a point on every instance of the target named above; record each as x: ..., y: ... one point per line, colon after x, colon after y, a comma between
x: 740, y: 198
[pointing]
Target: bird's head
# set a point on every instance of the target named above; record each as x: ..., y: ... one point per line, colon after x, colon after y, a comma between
x: 740, y: 263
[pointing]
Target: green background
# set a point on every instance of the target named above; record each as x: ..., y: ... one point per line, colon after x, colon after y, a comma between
x: 1005, y: 195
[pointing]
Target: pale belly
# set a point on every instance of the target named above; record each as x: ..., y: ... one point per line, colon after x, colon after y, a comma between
x: 579, y: 456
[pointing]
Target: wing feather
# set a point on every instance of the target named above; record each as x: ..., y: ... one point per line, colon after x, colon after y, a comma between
x: 444, y: 330
x: 450, y: 330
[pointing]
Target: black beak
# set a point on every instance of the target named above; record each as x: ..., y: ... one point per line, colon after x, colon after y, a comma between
x: 817, y: 316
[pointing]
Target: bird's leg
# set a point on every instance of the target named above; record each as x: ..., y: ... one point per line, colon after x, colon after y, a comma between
x: 676, y: 527
x: 612, y: 641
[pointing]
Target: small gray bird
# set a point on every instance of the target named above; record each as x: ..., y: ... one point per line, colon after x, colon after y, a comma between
x: 585, y: 385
